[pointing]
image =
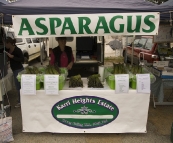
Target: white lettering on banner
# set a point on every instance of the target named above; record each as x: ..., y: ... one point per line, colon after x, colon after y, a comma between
x: 59, y: 107
x: 143, y: 83
x: 83, y: 101
x: 101, y: 103
x: 28, y: 84
x: 51, y: 84
x: 122, y: 83
x: 86, y: 24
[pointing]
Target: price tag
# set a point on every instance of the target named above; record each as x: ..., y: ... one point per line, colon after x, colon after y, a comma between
x: 51, y: 84
x: 143, y: 83
x: 122, y: 83
x: 28, y: 84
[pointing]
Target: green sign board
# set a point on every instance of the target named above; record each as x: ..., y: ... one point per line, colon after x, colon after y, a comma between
x: 85, y: 112
x: 86, y: 24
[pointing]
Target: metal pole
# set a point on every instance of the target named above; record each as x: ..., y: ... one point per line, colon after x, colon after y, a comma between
x: 132, y: 50
x: 41, y: 59
x: 102, y: 50
x: 5, y: 63
x: 126, y: 50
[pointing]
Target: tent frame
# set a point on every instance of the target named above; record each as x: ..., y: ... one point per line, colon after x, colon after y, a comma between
x: 171, y: 18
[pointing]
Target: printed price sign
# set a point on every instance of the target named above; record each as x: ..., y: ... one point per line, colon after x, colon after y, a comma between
x: 143, y: 83
x: 28, y: 83
x: 51, y: 84
x: 122, y: 83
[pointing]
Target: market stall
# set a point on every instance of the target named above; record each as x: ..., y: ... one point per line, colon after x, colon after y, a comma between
x: 130, y: 111
x: 163, y: 69
x: 85, y: 109
x: 82, y: 105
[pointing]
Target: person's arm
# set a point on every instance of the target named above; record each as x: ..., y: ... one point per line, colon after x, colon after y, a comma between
x: 72, y: 58
x: 52, y: 60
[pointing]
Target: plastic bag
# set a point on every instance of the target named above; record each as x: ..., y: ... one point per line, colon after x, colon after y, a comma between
x: 6, y: 130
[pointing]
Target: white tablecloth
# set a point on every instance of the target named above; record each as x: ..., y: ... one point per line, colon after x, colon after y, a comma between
x: 38, y: 116
x: 8, y: 82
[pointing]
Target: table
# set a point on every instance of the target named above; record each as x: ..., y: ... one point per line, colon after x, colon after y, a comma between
x: 169, y: 58
x: 157, y: 90
x: 8, y: 82
x: 84, y: 110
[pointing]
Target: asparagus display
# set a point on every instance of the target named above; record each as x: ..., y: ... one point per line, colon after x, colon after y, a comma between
x: 51, y: 70
x: 94, y: 81
x: 33, y: 70
x: 135, y: 69
x: 75, y: 81
x: 119, y: 69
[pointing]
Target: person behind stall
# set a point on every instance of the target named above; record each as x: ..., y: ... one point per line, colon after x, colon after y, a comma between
x: 62, y: 55
x: 16, y: 59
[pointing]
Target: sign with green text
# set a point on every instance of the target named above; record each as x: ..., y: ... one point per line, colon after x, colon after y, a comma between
x: 85, y: 112
x: 86, y: 24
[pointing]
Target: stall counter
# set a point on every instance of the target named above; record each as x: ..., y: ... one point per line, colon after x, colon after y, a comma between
x: 84, y: 110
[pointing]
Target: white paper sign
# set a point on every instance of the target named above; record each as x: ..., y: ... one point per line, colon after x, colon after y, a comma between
x: 51, y: 84
x: 122, y: 83
x: 143, y: 83
x: 28, y: 84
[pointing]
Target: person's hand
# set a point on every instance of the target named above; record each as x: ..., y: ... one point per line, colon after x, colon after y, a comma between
x: 69, y: 66
x: 10, y: 56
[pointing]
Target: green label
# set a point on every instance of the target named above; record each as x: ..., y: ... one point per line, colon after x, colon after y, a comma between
x: 85, y: 112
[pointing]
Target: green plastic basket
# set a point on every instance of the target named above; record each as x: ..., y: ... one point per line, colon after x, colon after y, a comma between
x: 38, y: 86
x: 111, y: 82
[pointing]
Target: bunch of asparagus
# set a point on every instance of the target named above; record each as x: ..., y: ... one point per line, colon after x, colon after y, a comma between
x: 33, y: 70
x: 135, y: 69
x: 119, y: 69
x: 75, y: 81
x: 94, y: 81
x: 51, y: 70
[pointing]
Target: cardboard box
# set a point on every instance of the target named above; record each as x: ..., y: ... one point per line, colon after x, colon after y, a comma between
x: 160, y: 64
x: 164, y: 72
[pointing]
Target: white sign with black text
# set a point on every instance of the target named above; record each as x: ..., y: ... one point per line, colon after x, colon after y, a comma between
x: 51, y: 84
x: 143, y: 83
x: 122, y: 83
x: 28, y: 84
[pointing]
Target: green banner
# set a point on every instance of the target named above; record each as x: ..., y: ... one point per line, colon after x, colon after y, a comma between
x: 86, y: 24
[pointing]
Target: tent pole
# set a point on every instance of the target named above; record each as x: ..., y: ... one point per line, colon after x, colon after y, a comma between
x: 126, y: 50
x: 170, y: 19
x: 132, y: 50
x: 5, y: 64
x: 41, y: 59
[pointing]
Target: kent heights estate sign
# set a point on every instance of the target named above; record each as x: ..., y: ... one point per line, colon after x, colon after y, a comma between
x: 86, y: 24
x: 85, y: 112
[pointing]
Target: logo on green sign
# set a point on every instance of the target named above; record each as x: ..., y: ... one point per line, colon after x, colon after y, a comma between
x: 85, y: 112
